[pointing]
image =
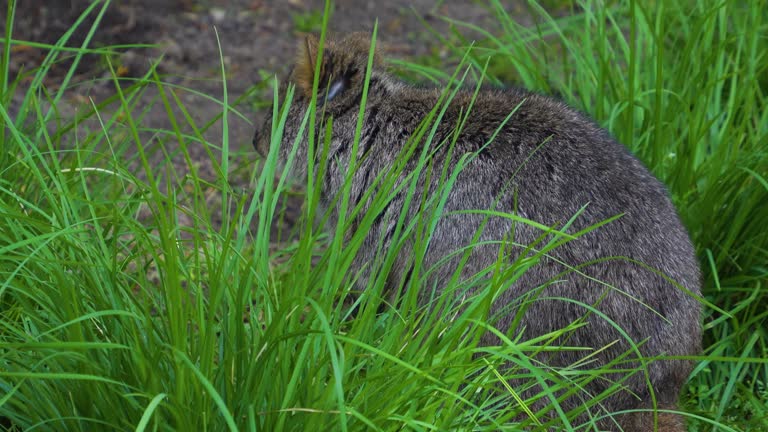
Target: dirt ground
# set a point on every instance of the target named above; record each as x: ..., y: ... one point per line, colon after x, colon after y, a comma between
x: 257, y: 38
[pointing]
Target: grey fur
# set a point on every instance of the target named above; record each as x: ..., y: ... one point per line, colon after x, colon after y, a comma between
x: 577, y: 165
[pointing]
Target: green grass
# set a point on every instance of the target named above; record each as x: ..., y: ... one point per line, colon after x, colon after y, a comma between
x: 114, y: 315
x: 307, y: 21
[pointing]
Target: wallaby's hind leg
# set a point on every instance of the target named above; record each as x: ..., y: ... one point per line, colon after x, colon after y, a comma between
x: 644, y: 422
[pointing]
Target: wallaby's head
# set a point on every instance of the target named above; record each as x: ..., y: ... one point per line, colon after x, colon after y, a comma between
x: 341, y: 77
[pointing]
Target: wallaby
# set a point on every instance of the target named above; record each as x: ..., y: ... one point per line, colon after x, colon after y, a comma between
x: 547, y: 163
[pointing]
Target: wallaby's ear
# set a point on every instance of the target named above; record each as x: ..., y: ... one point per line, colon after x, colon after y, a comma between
x: 304, y: 71
x: 343, y: 64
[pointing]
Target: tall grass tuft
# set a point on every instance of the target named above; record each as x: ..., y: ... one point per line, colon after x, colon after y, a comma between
x: 123, y: 307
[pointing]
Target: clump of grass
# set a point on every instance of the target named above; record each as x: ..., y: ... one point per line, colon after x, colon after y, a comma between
x: 116, y: 316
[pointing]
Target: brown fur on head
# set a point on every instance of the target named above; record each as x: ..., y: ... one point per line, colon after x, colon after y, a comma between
x: 341, y: 75
x: 343, y: 63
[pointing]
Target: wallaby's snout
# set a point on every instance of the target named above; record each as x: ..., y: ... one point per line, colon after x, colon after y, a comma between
x: 255, y: 143
x: 261, y: 142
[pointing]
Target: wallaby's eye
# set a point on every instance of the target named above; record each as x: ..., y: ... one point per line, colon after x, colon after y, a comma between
x: 341, y: 85
x: 336, y: 88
